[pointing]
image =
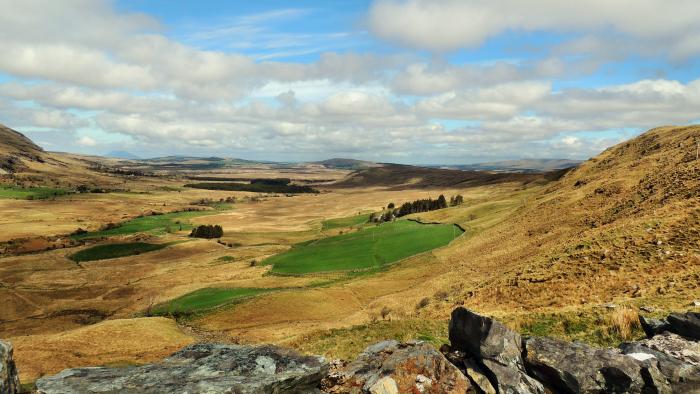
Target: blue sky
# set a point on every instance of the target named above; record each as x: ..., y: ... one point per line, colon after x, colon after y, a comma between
x: 411, y: 81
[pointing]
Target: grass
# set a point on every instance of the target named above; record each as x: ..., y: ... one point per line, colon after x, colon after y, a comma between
x: 156, y: 224
x: 113, y: 251
x: 349, y: 221
x: 204, y: 299
x: 347, y: 343
x: 372, y: 247
x: 30, y: 193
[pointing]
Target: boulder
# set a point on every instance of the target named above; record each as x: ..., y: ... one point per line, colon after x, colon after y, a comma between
x: 9, y: 380
x: 495, y: 348
x: 577, y: 368
x: 201, y: 368
x: 653, y: 327
x: 393, y: 367
x: 687, y: 324
x: 673, y: 356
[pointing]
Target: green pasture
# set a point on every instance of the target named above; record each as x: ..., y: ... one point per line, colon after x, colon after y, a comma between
x: 204, y: 299
x: 113, y: 251
x: 371, y: 247
x: 156, y: 224
x: 30, y: 193
x: 344, y: 222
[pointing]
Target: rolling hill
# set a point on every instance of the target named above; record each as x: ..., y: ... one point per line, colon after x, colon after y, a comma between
x: 524, y: 165
x: 347, y: 164
x: 15, y: 149
x: 401, y: 176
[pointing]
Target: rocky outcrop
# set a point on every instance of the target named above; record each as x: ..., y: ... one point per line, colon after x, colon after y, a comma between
x: 653, y: 327
x: 202, y: 368
x: 484, y: 357
x: 677, y: 359
x: 575, y: 367
x: 9, y: 380
x: 496, y: 349
x: 391, y: 367
x: 687, y: 325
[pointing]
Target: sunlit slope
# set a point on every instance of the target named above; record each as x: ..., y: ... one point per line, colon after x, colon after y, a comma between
x: 624, y: 226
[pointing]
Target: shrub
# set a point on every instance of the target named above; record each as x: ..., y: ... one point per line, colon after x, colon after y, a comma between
x: 385, y: 312
x: 207, y: 232
x: 423, y: 303
x: 623, y: 322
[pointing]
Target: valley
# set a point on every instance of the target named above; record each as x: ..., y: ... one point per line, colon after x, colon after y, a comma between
x: 97, y: 262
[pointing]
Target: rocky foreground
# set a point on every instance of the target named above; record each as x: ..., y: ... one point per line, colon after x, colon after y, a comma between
x: 484, y: 357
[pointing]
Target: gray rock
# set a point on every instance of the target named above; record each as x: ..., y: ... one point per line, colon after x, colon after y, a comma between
x: 495, y: 347
x: 9, y: 380
x: 393, y: 367
x: 202, y: 368
x: 653, y: 327
x: 577, y: 368
x: 668, y: 351
x: 687, y: 324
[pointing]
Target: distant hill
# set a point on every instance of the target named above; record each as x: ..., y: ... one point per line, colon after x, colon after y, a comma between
x: 400, y: 176
x: 120, y: 154
x: 524, y: 165
x: 347, y: 164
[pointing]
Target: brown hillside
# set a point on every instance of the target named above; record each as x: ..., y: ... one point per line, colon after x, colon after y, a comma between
x: 16, y: 148
x: 623, y: 227
x: 402, y: 176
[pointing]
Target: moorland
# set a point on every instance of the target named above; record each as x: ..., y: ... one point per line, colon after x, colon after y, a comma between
x: 97, y: 264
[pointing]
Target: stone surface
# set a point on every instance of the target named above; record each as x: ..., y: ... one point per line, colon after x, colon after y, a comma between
x: 686, y: 324
x: 495, y: 347
x: 413, y: 367
x: 202, y: 368
x: 9, y: 380
x: 653, y: 327
x: 667, y: 352
x: 577, y: 368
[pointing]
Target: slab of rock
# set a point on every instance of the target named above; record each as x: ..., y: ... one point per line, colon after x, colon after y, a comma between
x: 201, y: 368
x: 577, y: 368
x: 653, y: 327
x: 675, y: 357
x: 391, y: 367
x: 9, y: 380
x: 495, y: 347
x: 686, y: 324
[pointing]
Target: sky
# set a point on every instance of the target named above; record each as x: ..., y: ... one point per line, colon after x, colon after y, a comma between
x: 406, y: 81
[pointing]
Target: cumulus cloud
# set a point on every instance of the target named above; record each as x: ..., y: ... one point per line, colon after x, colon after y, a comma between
x: 445, y: 25
x: 80, y: 65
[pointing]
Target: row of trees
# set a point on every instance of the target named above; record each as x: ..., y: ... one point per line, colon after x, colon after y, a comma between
x: 207, y: 231
x: 407, y: 208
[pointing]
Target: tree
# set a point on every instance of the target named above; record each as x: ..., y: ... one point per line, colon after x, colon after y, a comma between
x: 207, y: 232
x: 390, y: 206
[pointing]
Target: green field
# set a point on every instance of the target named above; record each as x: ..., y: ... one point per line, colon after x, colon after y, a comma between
x: 371, y: 247
x: 157, y: 224
x: 31, y: 193
x: 204, y: 299
x: 113, y: 251
x: 344, y: 222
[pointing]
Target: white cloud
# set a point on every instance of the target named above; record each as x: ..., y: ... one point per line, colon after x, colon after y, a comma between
x: 445, y: 25
x: 86, y: 141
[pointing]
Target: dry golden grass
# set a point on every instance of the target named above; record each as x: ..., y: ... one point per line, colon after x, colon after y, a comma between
x: 623, y: 228
x: 623, y: 321
x: 113, y: 342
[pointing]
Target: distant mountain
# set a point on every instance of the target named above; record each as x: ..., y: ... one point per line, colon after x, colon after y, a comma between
x: 347, y: 164
x: 524, y: 165
x: 120, y: 154
x: 400, y: 176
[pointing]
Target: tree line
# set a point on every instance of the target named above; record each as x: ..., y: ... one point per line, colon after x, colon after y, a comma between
x: 407, y: 208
